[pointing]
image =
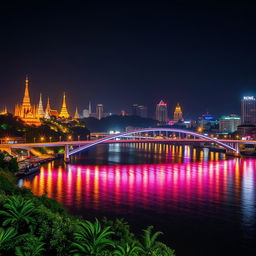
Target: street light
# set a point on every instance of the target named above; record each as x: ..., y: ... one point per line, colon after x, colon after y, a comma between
x: 42, y: 138
x: 50, y: 139
x: 59, y: 138
x: 200, y: 129
x: 78, y: 137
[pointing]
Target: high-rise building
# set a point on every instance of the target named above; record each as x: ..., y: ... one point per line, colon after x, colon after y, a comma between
x: 248, y: 110
x: 26, y: 111
x: 229, y: 123
x: 142, y: 111
x: 90, y: 108
x: 135, y: 109
x: 99, y: 111
x: 162, y: 112
x: 207, y: 121
x: 177, y: 116
x: 64, y: 111
x: 139, y: 110
x: 86, y: 113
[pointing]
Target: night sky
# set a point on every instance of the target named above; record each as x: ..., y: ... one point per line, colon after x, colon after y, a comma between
x: 201, y: 55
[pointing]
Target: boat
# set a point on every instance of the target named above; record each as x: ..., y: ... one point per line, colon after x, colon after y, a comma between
x: 28, y: 171
x: 248, y: 150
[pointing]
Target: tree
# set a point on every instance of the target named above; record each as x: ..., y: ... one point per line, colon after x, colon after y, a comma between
x: 149, y: 243
x: 6, y: 236
x: 32, y: 246
x: 127, y: 250
x: 91, y: 239
x: 18, y: 213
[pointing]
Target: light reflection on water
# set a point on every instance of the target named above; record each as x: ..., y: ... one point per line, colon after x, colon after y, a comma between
x: 192, y: 195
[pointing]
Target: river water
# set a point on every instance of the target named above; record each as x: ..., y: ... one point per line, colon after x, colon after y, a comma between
x: 202, y: 201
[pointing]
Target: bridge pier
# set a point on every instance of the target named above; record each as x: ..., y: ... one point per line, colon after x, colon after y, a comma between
x: 28, y: 152
x: 66, y: 154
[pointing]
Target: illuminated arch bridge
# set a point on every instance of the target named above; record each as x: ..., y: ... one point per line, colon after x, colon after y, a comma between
x: 225, y: 145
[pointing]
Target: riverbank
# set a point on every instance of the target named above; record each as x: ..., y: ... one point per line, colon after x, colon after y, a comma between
x: 43, y: 225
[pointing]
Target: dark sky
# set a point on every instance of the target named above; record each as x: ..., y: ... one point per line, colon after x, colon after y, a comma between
x: 201, y: 55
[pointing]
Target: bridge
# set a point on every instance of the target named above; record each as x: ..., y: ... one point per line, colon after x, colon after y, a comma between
x: 140, y: 135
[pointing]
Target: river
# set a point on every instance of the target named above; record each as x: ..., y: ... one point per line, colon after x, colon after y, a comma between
x: 203, y: 201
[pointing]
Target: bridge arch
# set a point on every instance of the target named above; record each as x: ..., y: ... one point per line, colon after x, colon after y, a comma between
x: 122, y: 134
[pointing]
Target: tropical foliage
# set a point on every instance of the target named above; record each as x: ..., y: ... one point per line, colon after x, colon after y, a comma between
x: 37, y: 226
x: 91, y: 238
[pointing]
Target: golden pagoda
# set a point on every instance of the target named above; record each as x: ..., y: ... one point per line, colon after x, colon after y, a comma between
x: 177, y: 116
x: 76, y: 116
x: 48, y: 109
x: 27, y: 112
x: 49, y: 112
x: 40, y: 110
x: 4, y: 112
x: 64, y: 111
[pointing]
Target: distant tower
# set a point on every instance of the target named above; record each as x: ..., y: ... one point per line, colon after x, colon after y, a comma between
x: 64, y: 111
x: 76, y: 116
x: 248, y: 110
x: 177, y: 116
x: 162, y: 112
x: 90, y: 108
x: 99, y: 111
x: 40, y: 111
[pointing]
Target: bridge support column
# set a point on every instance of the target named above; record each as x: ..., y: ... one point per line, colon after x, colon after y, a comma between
x: 28, y: 152
x: 66, y: 154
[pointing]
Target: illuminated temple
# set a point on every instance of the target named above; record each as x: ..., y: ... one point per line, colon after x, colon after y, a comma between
x: 31, y: 114
x: 64, y: 111
x: 27, y: 112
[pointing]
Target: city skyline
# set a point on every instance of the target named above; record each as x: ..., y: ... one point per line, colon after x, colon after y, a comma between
x: 74, y: 108
x: 102, y: 52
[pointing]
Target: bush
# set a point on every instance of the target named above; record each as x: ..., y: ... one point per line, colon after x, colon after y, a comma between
x: 7, y: 181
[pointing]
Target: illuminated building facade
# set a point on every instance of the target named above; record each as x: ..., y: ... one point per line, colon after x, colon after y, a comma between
x: 27, y: 112
x: 229, y: 123
x: 207, y: 122
x: 248, y: 110
x: 162, y: 112
x: 99, y: 111
x: 178, y: 116
x: 87, y: 112
x: 64, y: 111
x: 139, y: 110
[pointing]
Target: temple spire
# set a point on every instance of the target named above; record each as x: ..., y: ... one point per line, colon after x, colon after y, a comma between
x: 90, y: 108
x: 76, y: 116
x: 40, y: 110
x: 48, y: 106
x: 64, y: 111
x: 26, y: 99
